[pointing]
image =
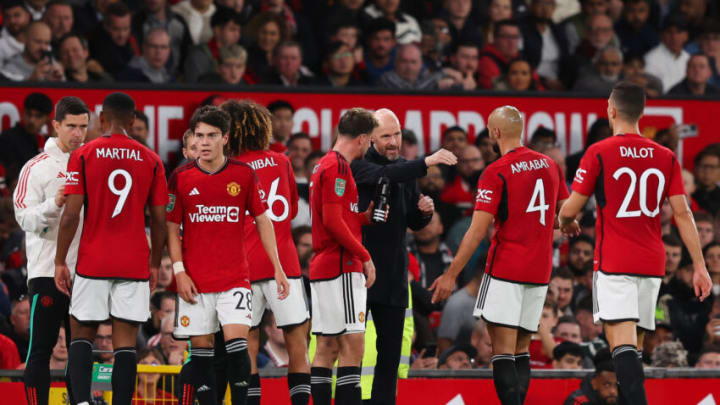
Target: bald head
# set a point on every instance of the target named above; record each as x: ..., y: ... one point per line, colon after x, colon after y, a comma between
x: 387, y: 137
x: 506, y: 123
x: 38, y: 41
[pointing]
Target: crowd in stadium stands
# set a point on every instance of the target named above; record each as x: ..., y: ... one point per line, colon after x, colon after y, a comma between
x: 447, y: 335
x: 667, y: 46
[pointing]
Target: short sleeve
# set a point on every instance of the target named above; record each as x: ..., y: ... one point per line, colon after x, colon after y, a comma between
x: 563, y: 193
x: 174, y: 207
x: 254, y: 203
x: 676, y: 186
x: 74, y: 182
x: 159, y: 190
x: 334, y: 185
x: 586, y: 174
x: 489, y: 192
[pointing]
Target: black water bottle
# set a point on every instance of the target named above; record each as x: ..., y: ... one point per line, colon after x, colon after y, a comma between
x: 382, y: 198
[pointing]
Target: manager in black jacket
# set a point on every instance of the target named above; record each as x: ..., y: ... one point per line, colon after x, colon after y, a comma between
x: 388, y: 297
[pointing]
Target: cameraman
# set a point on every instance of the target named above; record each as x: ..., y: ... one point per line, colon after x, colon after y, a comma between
x: 388, y: 298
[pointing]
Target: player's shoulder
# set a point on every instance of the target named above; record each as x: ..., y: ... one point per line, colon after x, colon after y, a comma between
x: 279, y: 157
x: 183, y: 169
x: 237, y: 165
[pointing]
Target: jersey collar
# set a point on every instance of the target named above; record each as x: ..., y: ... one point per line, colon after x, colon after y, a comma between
x: 227, y: 162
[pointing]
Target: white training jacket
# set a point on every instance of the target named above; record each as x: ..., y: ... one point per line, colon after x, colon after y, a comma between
x: 37, y: 213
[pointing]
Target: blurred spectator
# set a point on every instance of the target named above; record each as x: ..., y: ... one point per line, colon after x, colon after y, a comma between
x: 544, y: 43
x: 423, y: 361
x: 519, y: 77
x: 673, y: 256
x: 709, y: 358
x: 74, y: 55
x: 59, y: 17
x: 458, y: 357
x: 696, y: 80
x: 146, y: 388
x: 464, y: 59
x: 36, y: 62
x: 463, y: 22
x: 297, y: 26
x: 15, y: 19
x: 88, y: 14
x: 580, y: 254
x: 157, y: 14
x: 670, y: 355
x: 432, y: 186
x: 568, y: 329
x: 543, y: 138
x: 380, y: 47
x: 162, y: 304
x: 189, y: 148
x: 151, y: 66
x: 705, y: 227
x: 36, y: 8
x: 496, y: 56
x: 409, y: 72
x: 486, y: 146
x: 567, y: 356
x: 694, y: 12
x: 202, y: 58
x: 59, y: 355
x: 172, y: 350
x: 457, y: 321
x: 707, y: 177
x: 712, y: 259
x: 112, y: 44
x: 104, y: 343
x: 668, y: 60
x: 461, y: 191
x: 410, y: 149
x: 498, y: 10
x: 20, y: 321
x: 407, y: 29
x: 197, y: 14
x: 165, y: 272
x: 274, y: 348
x: 712, y: 328
x: 9, y: 357
x: 282, y: 124
x: 589, y: 331
x: 287, y: 67
x: 264, y: 32
x: 556, y: 154
x: 140, y: 131
x: 637, y: 35
x: 599, y: 388
x: 231, y: 67
x: 575, y: 27
x: 347, y: 32
x: 430, y: 251
x: 23, y: 141
x: 634, y: 72
x: 480, y: 340
x: 454, y: 139
x: 299, y: 147
x: 543, y: 343
x: 689, y: 183
x: 435, y: 42
x: 560, y: 289
x: 339, y: 67
x: 599, y: 35
x: 604, y: 73
x: 709, y: 43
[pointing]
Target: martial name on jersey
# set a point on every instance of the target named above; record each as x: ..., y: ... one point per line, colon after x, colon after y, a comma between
x: 119, y: 153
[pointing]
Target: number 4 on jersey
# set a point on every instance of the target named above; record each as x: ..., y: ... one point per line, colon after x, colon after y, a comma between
x: 537, y: 201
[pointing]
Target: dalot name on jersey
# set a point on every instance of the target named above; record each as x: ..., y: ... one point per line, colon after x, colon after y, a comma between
x: 119, y: 153
x: 215, y: 213
x: 263, y: 163
x: 529, y: 165
x: 636, y: 153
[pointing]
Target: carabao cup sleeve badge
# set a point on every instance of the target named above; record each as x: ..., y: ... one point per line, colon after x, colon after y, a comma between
x: 339, y: 187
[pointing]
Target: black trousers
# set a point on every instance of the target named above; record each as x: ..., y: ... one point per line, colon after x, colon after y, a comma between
x: 389, y: 323
x: 49, y: 310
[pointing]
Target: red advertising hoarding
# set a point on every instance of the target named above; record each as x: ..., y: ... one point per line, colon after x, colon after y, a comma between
x: 476, y: 391
x: 427, y: 115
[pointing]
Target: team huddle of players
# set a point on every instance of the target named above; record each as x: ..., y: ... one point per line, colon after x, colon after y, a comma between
x: 227, y: 226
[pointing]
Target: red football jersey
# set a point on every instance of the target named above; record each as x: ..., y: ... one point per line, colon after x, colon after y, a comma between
x: 332, y: 182
x: 278, y: 185
x: 521, y: 189
x: 211, y: 208
x: 118, y: 177
x: 631, y: 176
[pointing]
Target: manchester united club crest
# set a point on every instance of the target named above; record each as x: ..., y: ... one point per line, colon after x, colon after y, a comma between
x: 361, y: 316
x: 46, y: 301
x: 233, y: 189
x: 185, y: 321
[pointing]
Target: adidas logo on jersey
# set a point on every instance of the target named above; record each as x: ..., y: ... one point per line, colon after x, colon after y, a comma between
x: 194, y: 191
x: 61, y: 175
x: 241, y: 384
x: 203, y: 388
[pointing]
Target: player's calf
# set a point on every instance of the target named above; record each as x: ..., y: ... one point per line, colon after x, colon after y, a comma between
x: 299, y: 369
x: 507, y: 384
x: 630, y: 375
x: 238, y: 368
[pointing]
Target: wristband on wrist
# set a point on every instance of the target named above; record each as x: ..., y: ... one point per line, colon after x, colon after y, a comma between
x: 178, y: 267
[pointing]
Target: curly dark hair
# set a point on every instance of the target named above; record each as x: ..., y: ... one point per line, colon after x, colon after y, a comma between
x: 250, y: 126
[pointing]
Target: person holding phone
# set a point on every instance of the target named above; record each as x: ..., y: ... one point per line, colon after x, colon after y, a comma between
x: 35, y: 63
